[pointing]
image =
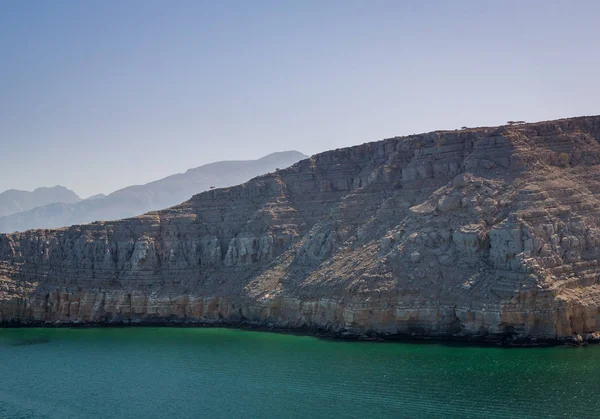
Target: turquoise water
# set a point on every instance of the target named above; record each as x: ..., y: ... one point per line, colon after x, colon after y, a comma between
x: 226, y: 373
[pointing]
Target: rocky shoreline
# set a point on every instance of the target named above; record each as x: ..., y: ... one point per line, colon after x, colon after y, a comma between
x: 508, y: 341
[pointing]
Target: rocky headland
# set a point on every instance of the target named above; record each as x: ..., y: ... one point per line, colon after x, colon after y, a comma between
x: 484, y: 233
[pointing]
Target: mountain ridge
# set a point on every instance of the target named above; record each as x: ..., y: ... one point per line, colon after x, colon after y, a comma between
x: 484, y: 233
x: 138, y: 199
x: 13, y: 201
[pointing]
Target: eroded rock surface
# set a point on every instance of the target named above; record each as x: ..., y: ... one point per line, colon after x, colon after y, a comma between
x: 486, y: 233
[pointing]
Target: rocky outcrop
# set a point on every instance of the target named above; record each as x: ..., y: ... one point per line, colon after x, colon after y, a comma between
x: 487, y: 233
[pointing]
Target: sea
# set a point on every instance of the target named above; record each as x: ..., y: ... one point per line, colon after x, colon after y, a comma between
x: 162, y: 372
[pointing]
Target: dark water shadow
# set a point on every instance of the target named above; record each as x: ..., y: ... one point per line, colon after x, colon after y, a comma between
x: 38, y: 340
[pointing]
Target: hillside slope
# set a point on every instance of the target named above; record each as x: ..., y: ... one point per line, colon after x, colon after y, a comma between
x: 486, y: 233
x: 138, y: 199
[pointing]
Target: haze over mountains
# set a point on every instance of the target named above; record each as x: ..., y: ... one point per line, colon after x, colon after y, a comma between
x: 59, y: 206
x: 14, y: 201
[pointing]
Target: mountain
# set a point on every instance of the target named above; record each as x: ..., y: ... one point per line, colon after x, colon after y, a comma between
x: 486, y: 233
x: 135, y: 200
x: 14, y: 201
x: 97, y: 196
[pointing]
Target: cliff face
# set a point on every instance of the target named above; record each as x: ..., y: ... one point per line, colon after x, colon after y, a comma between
x: 486, y: 233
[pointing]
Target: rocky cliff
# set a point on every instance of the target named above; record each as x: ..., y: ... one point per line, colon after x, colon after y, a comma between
x: 485, y: 233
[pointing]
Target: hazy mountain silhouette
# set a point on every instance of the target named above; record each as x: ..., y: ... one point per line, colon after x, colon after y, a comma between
x: 138, y: 199
x: 97, y: 196
x: 14, y: 201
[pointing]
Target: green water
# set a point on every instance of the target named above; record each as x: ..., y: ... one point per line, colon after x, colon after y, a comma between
x: 225, y: 373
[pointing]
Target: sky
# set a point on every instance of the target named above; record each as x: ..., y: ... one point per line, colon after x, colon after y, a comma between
x: 98, y: 95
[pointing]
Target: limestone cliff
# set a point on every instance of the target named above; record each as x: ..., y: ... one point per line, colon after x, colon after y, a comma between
x: 485, y: 233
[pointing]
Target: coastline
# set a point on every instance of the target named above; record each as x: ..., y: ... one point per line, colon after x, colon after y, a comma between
x: 320, y: 333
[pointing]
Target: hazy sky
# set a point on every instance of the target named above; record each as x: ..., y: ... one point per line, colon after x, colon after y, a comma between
x: 97, y: 95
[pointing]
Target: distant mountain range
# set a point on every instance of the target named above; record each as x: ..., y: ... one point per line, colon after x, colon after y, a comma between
x: 14, y: 201
x: 20, y: 211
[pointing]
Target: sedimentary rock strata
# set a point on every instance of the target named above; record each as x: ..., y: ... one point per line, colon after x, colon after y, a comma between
x: 485, y: 233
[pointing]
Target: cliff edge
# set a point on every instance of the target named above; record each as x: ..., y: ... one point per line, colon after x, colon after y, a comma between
x: 485, y: 233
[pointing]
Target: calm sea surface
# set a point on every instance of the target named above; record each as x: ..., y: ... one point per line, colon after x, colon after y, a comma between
x: 226, y: 373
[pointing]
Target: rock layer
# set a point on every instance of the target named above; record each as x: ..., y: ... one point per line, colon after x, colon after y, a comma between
x: 484, y: 233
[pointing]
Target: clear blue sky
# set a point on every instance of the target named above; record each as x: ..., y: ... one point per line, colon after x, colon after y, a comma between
x: 97, y: 95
